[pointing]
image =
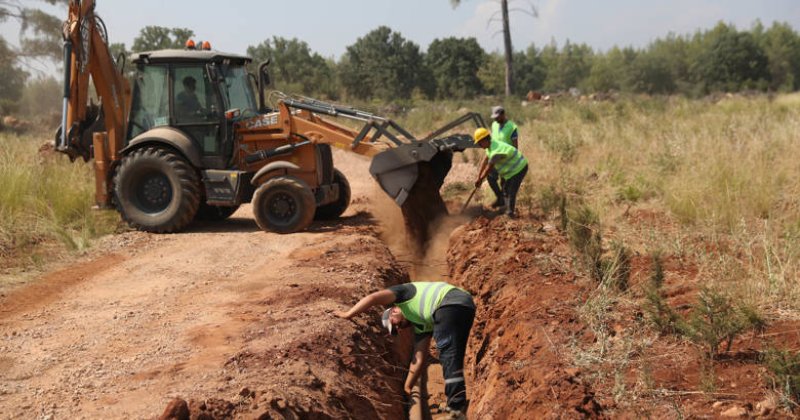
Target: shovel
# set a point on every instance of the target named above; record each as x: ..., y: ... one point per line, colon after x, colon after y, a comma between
x: 464, y: 207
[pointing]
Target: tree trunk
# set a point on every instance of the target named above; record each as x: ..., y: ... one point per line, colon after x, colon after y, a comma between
x: 509, y: 50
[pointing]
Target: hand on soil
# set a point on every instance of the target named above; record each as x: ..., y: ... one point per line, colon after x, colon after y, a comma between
x: 341, y: 314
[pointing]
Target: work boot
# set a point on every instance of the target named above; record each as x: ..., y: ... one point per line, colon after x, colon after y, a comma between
x: 456, y: 415
x: 498, y: 203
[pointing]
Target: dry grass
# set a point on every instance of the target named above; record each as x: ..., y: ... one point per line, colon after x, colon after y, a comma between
x: 45, y: 204
x: 721, y: 174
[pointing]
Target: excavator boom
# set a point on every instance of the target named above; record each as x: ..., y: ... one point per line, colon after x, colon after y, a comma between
x: 396, y: 153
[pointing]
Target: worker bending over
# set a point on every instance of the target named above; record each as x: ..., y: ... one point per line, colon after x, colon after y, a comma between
x: 507, y: 161
x: 432, y: 308
x: 504, y: 131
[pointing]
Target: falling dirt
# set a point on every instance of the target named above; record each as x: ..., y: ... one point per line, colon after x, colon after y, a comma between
x: 424, y: 206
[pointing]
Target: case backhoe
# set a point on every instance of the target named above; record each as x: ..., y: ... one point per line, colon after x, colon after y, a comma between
x: 192, y: 139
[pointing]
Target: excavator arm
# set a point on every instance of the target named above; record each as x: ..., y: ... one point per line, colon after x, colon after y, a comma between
x: 88, y: 61
x: 396, y: 154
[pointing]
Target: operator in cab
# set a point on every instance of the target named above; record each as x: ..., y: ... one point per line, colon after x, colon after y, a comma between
x: 435, y: 310
x: 186, y: 103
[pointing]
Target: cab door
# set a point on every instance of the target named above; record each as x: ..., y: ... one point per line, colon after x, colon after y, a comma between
x: 196, y: 110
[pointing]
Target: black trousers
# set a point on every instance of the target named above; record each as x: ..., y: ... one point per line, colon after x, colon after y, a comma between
x: 496, y: 183
x: 451, y: 326
x: 512, y: 188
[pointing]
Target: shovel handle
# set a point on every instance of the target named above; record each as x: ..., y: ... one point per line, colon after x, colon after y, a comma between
x: 466, y: 203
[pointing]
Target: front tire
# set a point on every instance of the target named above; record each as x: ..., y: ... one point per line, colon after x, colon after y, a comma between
x: 284, y: 204
x: 156, y: 190
x: 333, y: 210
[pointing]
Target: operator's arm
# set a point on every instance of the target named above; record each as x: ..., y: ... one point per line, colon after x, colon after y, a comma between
x: 418, y: 363
x: 515, y: 139
x: 383, y: 297
x: 489, y: 166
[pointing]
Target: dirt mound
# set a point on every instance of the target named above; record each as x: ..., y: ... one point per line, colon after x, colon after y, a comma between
x: 309, y: 364
x: 526, y: 296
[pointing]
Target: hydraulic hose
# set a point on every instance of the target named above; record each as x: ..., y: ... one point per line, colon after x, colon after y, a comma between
x: 65, y: 107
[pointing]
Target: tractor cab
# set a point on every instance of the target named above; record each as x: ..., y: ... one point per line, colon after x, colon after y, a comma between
x: 190, y: 91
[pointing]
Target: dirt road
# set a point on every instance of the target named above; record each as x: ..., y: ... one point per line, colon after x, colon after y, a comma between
x: 224, y: 311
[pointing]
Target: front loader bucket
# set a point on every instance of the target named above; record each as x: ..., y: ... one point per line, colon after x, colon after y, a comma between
x: 397, y: 169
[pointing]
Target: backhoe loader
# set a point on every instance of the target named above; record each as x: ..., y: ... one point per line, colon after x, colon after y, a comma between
x: 191, y: 139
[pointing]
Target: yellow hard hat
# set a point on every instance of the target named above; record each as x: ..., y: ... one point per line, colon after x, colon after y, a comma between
x: 480, y: 134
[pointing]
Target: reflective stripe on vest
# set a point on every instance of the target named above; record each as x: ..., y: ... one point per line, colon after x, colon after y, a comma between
x: 503, y: 135
x: 419, y: 309
x: 512, y: 161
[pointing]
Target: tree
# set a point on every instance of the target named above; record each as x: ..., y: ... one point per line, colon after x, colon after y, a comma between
x: 529, y: 70
x: 12, y: 78
x: 610, y: 71
x: 781, y: 44
x: 384, y: 65
x: 40, y: 32
x: 567, y: 68
x: 492, y: 74
x: 294, y: 67
x: 160, y: 38
x: 649, y: 73
x: 454, y: 63
x: 507, y: 47
x: 730, y: 60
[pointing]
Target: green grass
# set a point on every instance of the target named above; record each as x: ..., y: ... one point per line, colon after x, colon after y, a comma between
x: 45, y: 204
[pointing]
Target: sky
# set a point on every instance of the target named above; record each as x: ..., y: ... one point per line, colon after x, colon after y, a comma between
x: 330, y: 26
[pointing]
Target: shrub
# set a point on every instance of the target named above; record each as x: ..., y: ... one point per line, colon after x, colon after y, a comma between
x: 616, y: 270
x: 661, y: 315
x: 583, y: 230
x: 784, y: 368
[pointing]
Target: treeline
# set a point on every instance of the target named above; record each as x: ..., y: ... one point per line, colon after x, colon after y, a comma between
x: 386, y: 66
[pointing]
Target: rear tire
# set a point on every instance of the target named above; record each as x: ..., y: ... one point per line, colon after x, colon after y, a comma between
x: 156, y: 190
x: 284, y: 204
x: 210, y: 213
x: 333, y: 210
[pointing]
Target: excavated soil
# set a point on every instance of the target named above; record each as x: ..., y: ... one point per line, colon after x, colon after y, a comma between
x: 233, y: 335
x: 526, y: 296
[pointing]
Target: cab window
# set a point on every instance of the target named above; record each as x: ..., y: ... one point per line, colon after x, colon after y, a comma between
x: 193, y: 97
x: 150, y: 101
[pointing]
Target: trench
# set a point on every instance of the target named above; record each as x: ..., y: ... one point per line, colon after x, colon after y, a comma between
x: 428, y: 225
x: 346, y: 369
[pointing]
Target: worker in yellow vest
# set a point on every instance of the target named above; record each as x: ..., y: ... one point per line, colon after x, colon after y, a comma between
x: 435, y: 309
x: 504, y: 131
x: 507, y: 161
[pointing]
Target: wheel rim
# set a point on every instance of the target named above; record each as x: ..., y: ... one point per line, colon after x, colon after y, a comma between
x: 154, y: 193
x: 282, y: 208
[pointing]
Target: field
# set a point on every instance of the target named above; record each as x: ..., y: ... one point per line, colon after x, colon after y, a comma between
x: 654, y: 270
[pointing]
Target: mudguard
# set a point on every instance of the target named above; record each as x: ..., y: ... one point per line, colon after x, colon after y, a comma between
x: 258, y: 178
x: 173, y: 137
